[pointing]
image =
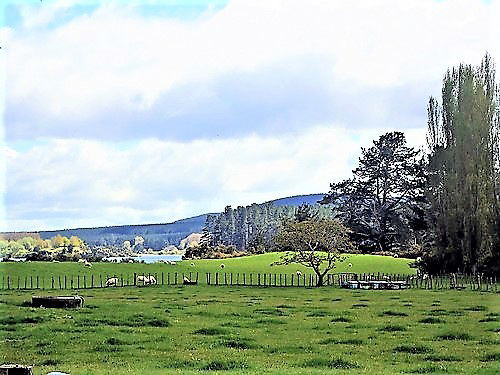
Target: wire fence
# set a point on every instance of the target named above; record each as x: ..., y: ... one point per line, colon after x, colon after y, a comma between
x: 449, y: 281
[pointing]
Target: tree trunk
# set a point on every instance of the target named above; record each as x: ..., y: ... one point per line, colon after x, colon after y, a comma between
x: 320, y: 279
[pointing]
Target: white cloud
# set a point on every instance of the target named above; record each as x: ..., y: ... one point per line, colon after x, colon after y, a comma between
x: 275, y: 69
x: 116, y: 58
x: 69, y: 183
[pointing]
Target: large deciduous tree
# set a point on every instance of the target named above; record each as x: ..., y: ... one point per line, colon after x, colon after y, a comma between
x: 316, y: 244
x: 383, y: 198
x: 463, y: 141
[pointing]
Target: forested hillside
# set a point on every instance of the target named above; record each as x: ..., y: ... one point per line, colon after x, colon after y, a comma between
x: 156, y: 236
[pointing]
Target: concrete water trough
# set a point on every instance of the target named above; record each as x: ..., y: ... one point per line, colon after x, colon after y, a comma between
x: 57, y: 301
x: 16, y: 370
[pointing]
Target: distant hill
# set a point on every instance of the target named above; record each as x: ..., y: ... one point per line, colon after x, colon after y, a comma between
x: 157, y: 236
x: 297, y: 200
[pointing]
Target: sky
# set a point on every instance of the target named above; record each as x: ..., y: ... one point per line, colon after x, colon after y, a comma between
x: 132, y: 112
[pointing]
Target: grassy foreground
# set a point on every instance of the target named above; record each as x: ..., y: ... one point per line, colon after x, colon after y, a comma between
x: 176, y: 329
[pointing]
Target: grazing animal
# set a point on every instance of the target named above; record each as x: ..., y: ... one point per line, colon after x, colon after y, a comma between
x: 146, y: 280
x: 350, y: 264
x: 222, y: 265
x: 172, y: 263
x: 395, y: 256
x: 112, y: 281
x: 131, y: 261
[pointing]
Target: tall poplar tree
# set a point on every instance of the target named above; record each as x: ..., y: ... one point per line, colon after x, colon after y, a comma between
x: 463, y: 141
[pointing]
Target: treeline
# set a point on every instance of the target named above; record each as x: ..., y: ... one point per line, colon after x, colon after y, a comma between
x: 463, y: 188
x: 252, y: 228
x: 440, y: 206
x: 33, y: 246
x: 156, y: 236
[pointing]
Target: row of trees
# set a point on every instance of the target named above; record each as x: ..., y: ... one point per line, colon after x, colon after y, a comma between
x: 463, y: 171
x: 27, y: 245
x: 441, y: 204
x: 251, y: 228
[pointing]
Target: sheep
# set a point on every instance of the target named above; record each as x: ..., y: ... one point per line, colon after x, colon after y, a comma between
x: 146, y: 280
x: 112, y: 281
x: 131, y: 261
x: 172, y: 263
x: 222, y: 265
x: 395, y: 256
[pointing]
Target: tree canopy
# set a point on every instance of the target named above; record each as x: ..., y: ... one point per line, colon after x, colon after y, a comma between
x: 381, y: 201
x: 316, y: 244
x: 463, y: 186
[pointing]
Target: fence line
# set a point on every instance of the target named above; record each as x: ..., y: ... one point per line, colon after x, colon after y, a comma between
x: 434, y: 282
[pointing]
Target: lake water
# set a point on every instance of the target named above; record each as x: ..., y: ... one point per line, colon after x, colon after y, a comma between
x: 149, y: 258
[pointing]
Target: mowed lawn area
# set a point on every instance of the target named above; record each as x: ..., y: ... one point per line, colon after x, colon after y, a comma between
x: 228, y: 329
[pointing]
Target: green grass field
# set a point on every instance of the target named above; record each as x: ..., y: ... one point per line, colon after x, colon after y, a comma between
x: 257, y: 263
x: 260, y: 330
x: 176, y: 329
